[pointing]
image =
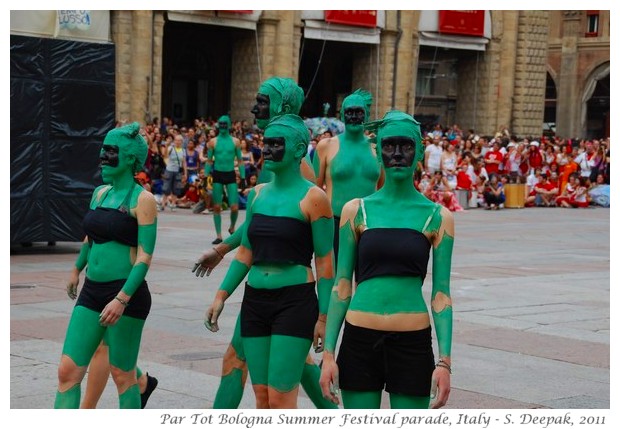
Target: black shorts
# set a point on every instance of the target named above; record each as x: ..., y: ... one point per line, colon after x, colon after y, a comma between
x: 224, y: 177
x: 400, y: 362
x: 96, y: 295
x: 291, y: 310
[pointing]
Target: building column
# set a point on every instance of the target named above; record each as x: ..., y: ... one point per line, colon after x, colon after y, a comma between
x: 141, y: 45
x: 568, y: 107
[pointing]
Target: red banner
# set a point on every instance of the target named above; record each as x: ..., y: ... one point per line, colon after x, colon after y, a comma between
x: 360, y: 18
x: 467, y: 22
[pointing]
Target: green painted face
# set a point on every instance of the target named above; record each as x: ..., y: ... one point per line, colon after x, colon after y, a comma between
x: 282, y: 96
x: 286, y: 142
x: 124, y: 151
x: 400, y: 124
x: 224, y: 124
x: 356, y: 109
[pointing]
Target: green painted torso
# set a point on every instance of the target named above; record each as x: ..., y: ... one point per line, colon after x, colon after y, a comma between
x: 274, y: 201
x: 224, y: 153
x: 354, y: 172
x: 111, y: 260
x: 390, y: 295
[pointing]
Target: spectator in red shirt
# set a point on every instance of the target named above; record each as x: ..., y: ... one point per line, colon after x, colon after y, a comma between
x: 493, y: 159
x: 534, y: 156
x: 546, y: 192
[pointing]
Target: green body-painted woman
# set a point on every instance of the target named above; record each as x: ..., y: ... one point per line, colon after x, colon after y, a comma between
x: 288, y: 221
x: 346, y: 165
x: 276, y: 96
x: 222, y: 152
x: 386, y: 238
x: 121, y: 228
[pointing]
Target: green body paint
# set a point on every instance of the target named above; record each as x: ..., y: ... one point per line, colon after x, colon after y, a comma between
x: 389, y: 295
x: 276, y: 361
x: 130, y: 399
x: 354, y: 171
x: 69, y: 399
x: 82, y: 258
x: 442, y: 262
x: 396, y: 205
x: 113, y: 261
x: 372, y: 400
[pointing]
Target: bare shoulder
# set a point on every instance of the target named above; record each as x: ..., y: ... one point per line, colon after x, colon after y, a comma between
x: 316, y: 204
x: 447, y: 220
x: 146, y: 199
x: 349, y: 210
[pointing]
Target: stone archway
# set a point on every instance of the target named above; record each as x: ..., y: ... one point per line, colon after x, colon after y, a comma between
x: 600, y: 74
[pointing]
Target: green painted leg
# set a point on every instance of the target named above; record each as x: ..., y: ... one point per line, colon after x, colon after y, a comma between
x: 234, y: 214
x: 217, y: 219
x: 408, y: 402
x: 310, y: 382
x: 130, y: 399
x: 70, y: 398
x: 230, y: 391
x: 361, y: 400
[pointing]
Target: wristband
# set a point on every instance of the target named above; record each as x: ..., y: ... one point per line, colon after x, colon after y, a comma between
x: 122, y: 301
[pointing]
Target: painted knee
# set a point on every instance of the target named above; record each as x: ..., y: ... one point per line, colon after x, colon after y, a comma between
x: 232, y: 361
x: 69, y: 374
x: 262, y: 396
x: 123, y: 379
x: 283, y: 400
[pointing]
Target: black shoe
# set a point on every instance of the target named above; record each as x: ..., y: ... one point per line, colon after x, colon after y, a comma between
x: 216, y: 241
x: 151, y: 384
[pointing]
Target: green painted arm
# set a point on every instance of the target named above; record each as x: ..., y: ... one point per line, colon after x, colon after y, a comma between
x: 322, y: 237
x: 440, y: 297
x: 147, y: 235
x: 82, y: 258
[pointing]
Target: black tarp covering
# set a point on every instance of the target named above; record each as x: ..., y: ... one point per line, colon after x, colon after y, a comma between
x: 62, y: 105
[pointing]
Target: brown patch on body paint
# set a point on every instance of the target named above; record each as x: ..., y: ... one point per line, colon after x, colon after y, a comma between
x: 440, y: 302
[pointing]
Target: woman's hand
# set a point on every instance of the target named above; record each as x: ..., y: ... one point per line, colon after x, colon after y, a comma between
x: 319, y: 334
x: 329, y: 378
x: 440, y: 387
x: 207, y: 262
x: 72, y: 284
x: 112, y: 312
x: 213, y: 313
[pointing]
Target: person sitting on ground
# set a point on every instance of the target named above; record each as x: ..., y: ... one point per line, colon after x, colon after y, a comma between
x: 190, y: 198
x: 494, y: 193
x: 545, y: 191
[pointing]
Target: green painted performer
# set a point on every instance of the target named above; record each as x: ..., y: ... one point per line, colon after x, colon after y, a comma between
x: 121, y: 229
x: 222, y: 152
x: 387, y: 238
x: 276, y: 96
x: 288, y: 221
x: 346, y: 165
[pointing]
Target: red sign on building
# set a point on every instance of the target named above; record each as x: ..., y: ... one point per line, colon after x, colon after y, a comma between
x: 466, y: 22
x: 360, y: 18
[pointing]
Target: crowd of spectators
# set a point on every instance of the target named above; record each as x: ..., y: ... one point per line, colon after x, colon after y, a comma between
x: 461, y: 169
x: 554, y: 171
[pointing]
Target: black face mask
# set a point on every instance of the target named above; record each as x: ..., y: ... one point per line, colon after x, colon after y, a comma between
x: 397, y: 152
x: 109, y: 155
x: 354, y: 115
x: 261, y: 108
x: 273, y: 148
x: 222, y: 126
